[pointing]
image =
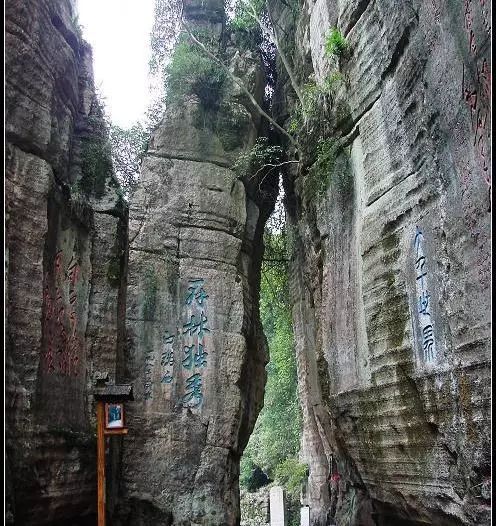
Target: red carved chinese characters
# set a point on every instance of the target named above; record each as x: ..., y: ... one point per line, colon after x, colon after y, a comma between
x: 478, y: 96
x: 60, y: 320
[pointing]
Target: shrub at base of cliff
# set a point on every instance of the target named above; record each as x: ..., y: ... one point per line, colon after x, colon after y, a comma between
x: 291, y: 475
x: 251, y: 476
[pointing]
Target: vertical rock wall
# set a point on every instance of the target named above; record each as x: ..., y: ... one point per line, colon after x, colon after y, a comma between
x: 66, y: 229
x: 196, y: 351
x: 391, y: 265
x: 390, y: 275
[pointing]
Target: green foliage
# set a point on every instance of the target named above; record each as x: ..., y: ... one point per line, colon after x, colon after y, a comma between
x: 262, y: 153
x: 332, y: 81
x: 244, y: 36
x: 311, y: 93
x: 251, y: 476
x: 192, y: 72
x: 246, y: 468
x: 294, y: 123
x: 324, y: 171
x: 291, y: 474
x: 319, y: 175
x: 97, y: 156
x: 128, y: 146
x: 231, y: 126
x: 243, y: 18
x: 335, y: 44
x: 276, y: 436
x: 326, y: 156
x: 96, y: 166
x: 316, y: 97
x: 150, y: 299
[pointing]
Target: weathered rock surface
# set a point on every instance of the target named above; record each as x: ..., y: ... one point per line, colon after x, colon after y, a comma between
x: 196, y: 351
x: 390, y: 276
x: 64, y: 228
x: 391, y: 266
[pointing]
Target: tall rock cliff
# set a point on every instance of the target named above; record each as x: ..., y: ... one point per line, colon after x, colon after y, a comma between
x: 390, y: 223
x: 388, y: 211
x: 196, y: 351
x: 66, y: 241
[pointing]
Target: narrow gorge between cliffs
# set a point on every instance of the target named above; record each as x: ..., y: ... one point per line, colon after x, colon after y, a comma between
x: 306, y: 216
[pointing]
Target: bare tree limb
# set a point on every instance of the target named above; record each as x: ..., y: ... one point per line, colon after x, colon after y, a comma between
x: 273, y: 166
x: 273, y: 33
x: 239, y: 83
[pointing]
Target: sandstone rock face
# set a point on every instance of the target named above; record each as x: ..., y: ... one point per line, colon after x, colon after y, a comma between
x: 196, y: 351
x: 390, y: 276
x: 64, y: 228
x: 391, y: 266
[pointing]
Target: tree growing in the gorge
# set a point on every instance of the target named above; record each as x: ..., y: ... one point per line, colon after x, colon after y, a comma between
x: 311, y: 116
x: 128, y: 146
x: 169, y: 24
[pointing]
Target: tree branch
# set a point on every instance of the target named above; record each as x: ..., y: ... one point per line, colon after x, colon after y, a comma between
x: 273, y: 166
x: 273, y: 33
x: 238, y: 82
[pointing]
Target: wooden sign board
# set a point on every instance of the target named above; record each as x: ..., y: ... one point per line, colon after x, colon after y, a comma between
x: 115, y: 419
x: 110, y: 421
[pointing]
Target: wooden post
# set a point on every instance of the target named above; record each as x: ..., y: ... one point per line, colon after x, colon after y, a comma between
x: 104, y: 394
x: 100, y: 413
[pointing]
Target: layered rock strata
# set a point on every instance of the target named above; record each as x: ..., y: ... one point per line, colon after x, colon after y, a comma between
x: 390, y: 286
x: 390, y: 273
x: 196, y: 351
x: 66, y: 230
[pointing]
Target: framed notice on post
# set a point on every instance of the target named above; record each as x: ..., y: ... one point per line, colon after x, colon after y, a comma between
x: 114, y: 415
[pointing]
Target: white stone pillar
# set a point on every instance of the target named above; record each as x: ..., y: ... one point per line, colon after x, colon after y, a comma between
x: 277, y: 512
x: 305, y: 516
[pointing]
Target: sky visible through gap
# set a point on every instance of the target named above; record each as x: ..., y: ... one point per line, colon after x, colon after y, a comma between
x: 119, y: 33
